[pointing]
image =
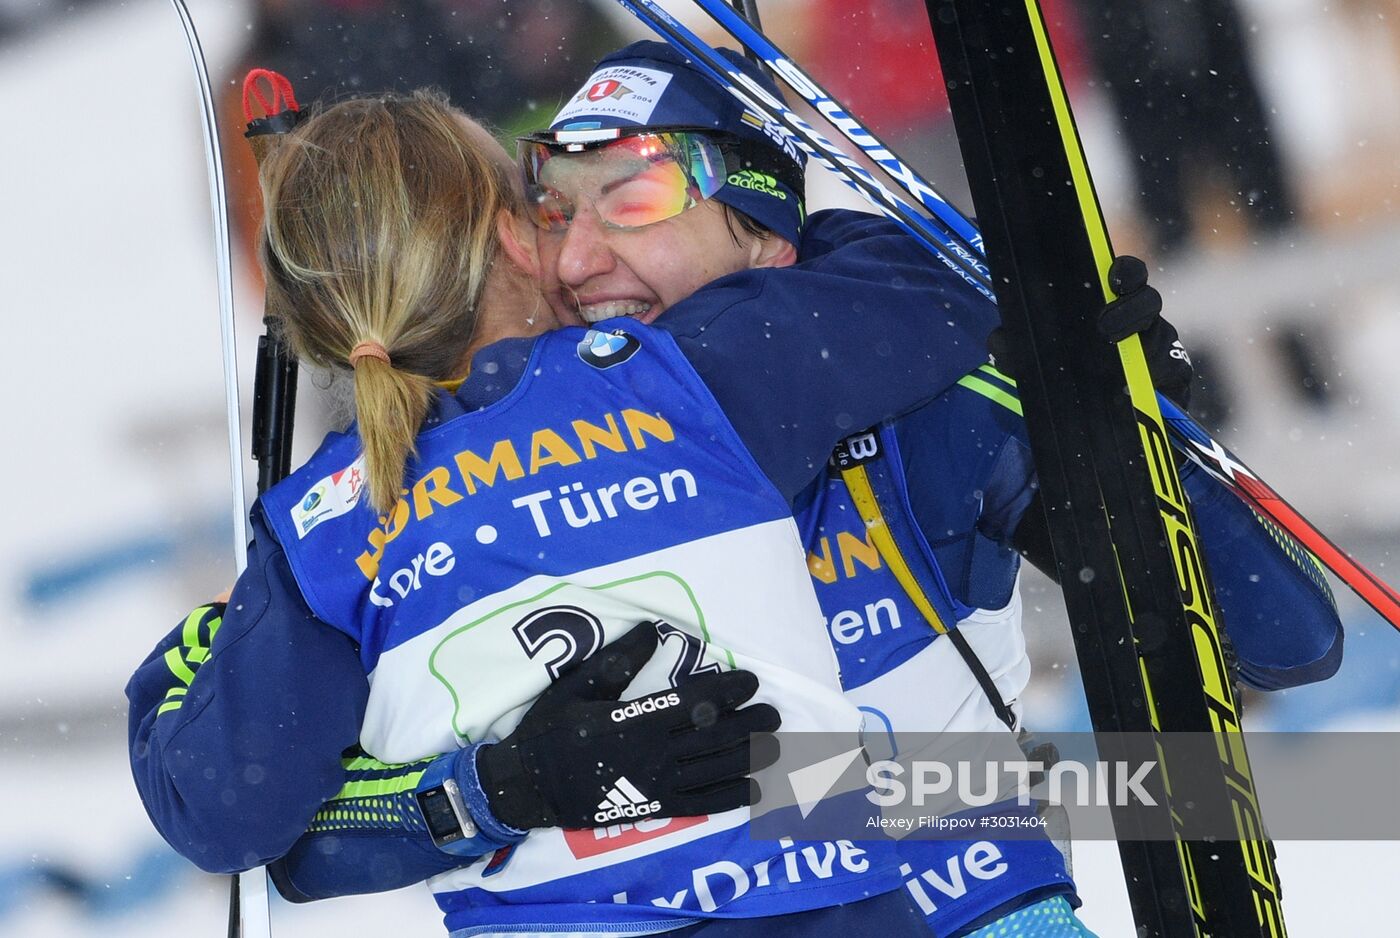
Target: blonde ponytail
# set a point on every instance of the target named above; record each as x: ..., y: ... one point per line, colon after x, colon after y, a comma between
x: 390, y: 406
x: 381, y: 230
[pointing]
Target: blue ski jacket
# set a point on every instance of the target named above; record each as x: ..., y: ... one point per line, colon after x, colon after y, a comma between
x: 969, y: 481
x: 239, y: 721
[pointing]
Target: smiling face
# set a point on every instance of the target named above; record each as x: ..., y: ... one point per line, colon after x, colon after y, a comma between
x: 628, y: 228
x: 593, y: 272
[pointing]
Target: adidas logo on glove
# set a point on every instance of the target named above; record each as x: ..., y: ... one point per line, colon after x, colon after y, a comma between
x: 623, y: 800
x: 647, y: 705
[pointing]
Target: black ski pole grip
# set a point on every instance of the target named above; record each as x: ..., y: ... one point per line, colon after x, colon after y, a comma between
x: 274, y: 406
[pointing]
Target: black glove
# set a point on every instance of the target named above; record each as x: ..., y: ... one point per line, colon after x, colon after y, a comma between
x: 1137, y: 310
x: 582, y: 758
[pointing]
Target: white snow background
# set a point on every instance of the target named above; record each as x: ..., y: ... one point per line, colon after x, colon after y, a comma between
x: 118, y: 469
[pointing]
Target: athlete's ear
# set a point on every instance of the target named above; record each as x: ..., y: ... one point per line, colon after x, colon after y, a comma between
x: 517, y: 236
x: 771, y: 251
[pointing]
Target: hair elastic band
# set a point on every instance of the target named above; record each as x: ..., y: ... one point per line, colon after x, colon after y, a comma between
x: 369, y: 350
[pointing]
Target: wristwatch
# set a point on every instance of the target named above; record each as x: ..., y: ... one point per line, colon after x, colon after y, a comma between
x: 445, y: 811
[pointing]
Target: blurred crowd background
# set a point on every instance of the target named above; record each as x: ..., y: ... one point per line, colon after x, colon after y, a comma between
x: 1249, y: 150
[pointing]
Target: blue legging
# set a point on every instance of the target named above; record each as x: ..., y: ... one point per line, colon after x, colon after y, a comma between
x: 1051, y: 918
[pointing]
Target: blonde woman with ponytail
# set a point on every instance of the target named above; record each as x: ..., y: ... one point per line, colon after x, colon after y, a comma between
x: 437, y: 637
x: 395, y: 246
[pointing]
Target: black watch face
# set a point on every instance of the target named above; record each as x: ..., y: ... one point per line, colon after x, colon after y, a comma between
x: 439, y: 816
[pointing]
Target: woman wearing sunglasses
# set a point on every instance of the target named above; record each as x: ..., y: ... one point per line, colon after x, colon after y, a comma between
x: 598, y: 196
x: 504, y: 510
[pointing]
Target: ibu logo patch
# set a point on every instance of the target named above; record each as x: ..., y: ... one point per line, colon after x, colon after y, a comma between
x: 329, y: 498
x: 606, y: 349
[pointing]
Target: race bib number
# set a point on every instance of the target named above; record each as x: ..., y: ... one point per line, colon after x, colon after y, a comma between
x: 502, y: 661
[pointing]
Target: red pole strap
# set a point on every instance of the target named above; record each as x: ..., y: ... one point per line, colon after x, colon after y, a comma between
x: 283, y: 99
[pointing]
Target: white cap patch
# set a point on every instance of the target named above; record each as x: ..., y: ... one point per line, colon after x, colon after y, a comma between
x: 619, y: 91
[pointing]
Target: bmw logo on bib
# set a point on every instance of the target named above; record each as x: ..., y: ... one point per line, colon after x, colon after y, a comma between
x: 605, y: 349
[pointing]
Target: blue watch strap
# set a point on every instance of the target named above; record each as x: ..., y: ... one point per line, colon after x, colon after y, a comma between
x: 450, y: 819
x: 486, y: 833
x: 487, y: 823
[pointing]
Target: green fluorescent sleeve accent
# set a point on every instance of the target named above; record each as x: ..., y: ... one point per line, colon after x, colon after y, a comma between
x: 991, y: 391
x: 990, y: 369
x: 190, y: 634
x: 177, y: 666
x: 368, y: 764
x: 379, y: 786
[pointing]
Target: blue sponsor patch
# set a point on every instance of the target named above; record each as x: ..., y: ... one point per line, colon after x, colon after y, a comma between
x: 606, y: 349
x: 582, y: 125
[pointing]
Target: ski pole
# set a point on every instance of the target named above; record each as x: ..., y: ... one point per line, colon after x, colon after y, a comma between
x: 950, y: 229
x: 748, y: 9
x: 1231, y: 471
x: 797, y: 132
x: 753, y: 40
x: 275, y: 392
